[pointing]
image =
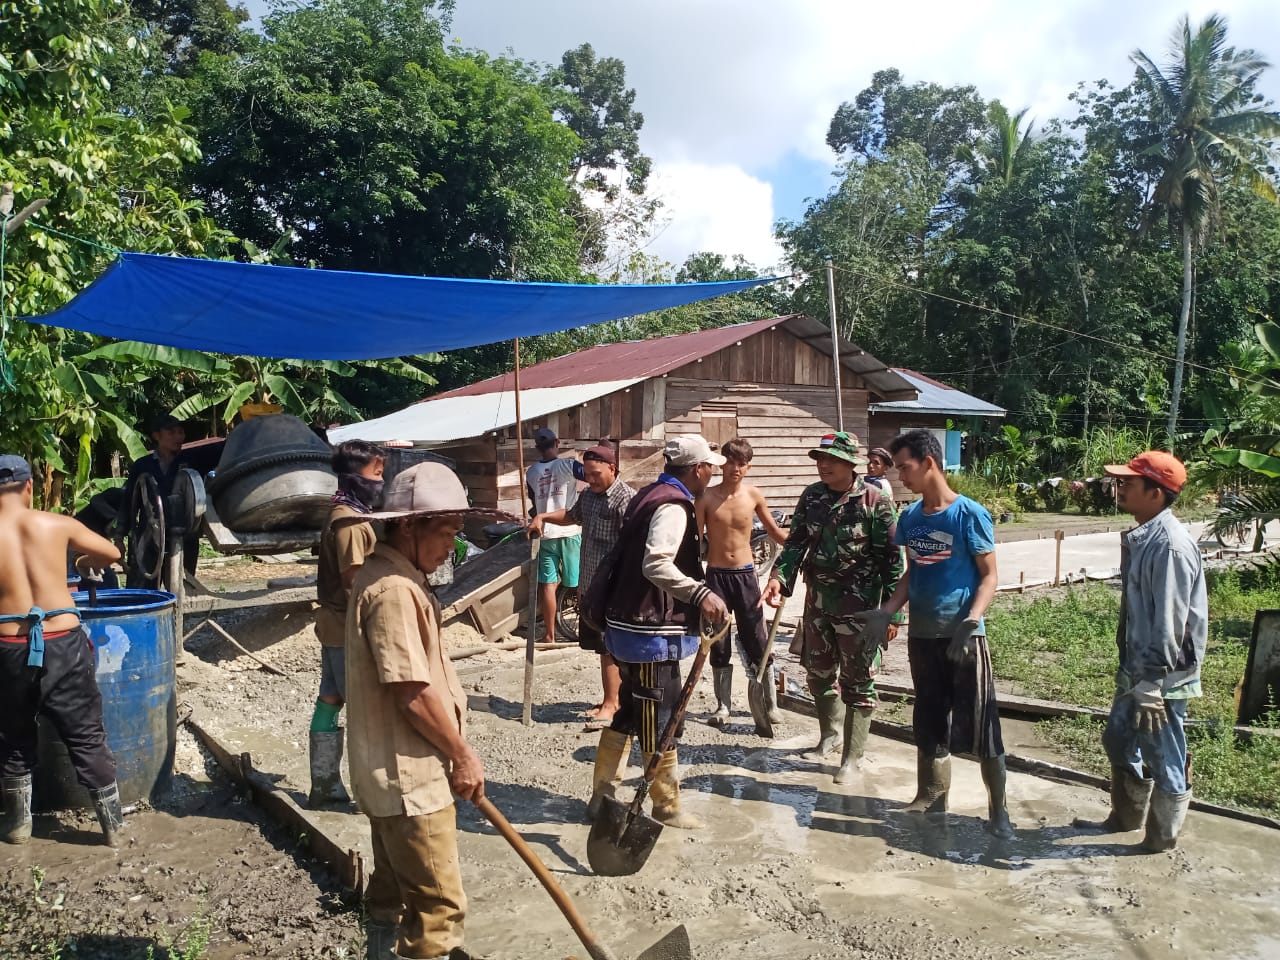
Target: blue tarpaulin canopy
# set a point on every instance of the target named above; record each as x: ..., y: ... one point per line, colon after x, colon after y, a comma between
x: 290, y: 312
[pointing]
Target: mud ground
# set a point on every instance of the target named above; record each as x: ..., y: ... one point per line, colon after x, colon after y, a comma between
x: 202, y: 858
x: 790, y: 865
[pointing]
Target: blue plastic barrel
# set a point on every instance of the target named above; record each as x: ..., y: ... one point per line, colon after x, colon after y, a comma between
x: 133, y: 633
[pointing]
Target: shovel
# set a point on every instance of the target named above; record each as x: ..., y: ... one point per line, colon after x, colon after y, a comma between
x: 674, y: 946
x: 622, y: 837
x: 755, y: 687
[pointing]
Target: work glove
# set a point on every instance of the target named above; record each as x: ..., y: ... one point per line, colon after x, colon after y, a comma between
x: 1149, y: 713
x: 875, y: 627
x: 963, y: 647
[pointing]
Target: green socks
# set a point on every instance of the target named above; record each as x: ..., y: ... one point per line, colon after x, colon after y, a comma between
x: 325, y: 719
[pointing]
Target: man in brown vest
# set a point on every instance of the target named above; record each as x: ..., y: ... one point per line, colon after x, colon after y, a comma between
x: 655, y: 596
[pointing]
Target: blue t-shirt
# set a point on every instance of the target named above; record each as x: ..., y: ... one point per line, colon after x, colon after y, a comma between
x: 940, y: 550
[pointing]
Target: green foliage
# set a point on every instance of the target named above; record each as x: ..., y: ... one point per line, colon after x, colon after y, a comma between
x: 997, y: 497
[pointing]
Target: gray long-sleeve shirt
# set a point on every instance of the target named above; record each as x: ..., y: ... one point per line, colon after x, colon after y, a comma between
x: 1164, y: 607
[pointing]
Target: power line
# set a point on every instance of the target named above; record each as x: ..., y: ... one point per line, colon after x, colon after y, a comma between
x: 1074, y: 335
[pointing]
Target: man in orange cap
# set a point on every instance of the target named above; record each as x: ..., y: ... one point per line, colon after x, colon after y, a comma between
x: 1164, y: 614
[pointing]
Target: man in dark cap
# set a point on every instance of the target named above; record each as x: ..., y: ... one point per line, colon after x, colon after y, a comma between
x: 162, y: 464
x: 553, y: 486
x: 599, y: 510
x: 46, y: 661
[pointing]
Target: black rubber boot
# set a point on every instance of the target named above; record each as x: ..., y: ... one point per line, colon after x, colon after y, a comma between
x: 106, y: 804
x: 15, y: 825
x: 723, y: 679
x: 326, y: 769
x: 1164, y: 820
x: 857, y: 727
x: 994, y: 775
x: 933, y: 782
x: 379, y: 940
x: 1130, y: 796
x: 830, y: 720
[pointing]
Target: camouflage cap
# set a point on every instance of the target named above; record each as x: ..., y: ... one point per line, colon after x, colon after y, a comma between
x: 841, y: 445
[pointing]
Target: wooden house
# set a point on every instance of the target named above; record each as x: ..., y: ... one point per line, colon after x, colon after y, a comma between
x: 770, y: 381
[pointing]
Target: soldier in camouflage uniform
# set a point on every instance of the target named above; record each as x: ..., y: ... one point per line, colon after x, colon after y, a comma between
x: 842, y: 541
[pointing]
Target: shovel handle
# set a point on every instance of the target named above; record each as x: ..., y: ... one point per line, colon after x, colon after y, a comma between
x: 708, y: 639
x: 768, y: 644
x: 594, y: 947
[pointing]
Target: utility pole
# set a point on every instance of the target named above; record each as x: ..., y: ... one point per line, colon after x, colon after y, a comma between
x: 835, y: 341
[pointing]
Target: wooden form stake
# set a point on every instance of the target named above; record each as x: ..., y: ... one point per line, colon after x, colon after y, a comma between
x: 530, y: 645
x: 1057, y: 558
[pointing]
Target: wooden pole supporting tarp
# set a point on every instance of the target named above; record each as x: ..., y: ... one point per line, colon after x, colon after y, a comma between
x: 531, y: 643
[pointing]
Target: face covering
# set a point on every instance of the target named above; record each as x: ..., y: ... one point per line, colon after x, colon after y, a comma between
x: 359, y: 493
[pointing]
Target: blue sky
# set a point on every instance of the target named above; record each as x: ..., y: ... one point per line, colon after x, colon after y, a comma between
x: 737, y: 94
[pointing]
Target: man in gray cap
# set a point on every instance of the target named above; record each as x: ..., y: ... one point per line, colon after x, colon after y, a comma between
x: 46, y: 661
x: 653, y: 598
x: 406, y: 727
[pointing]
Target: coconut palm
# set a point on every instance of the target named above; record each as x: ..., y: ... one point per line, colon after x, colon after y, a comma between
x: 1206, y: 125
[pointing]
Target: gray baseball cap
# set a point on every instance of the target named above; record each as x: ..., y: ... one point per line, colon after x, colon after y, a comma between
x: 14, y: 469
x: 689, y: 450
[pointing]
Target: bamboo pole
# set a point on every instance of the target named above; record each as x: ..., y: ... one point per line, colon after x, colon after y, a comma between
x: 531, y: 643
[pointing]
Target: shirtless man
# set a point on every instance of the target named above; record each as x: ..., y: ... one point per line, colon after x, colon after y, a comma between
x: 46, y: 660
x: 725, y: 513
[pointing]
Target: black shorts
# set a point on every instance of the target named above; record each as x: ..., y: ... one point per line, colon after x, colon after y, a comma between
x: 956, y: 709
x: 739, y: 588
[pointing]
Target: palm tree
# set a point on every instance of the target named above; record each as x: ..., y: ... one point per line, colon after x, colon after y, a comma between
x: 1205, y: 125
x: 1002, y: 151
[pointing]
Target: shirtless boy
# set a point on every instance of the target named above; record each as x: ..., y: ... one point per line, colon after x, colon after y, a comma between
x: 725, y: 513
x: 46, y: 660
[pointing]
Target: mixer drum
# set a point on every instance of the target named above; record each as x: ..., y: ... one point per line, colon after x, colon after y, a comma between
x: 274, y: 474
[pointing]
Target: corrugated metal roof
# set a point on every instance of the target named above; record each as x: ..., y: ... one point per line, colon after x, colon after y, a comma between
x: 936, y: 397
x: 453, y: 417
x: 642, y: 359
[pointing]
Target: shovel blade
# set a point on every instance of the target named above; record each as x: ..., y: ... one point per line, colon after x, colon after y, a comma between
x: 759, y: 709
x: 674, y: 946
x: 619, y: 844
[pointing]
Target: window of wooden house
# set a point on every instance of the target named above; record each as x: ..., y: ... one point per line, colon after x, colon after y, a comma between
x: 719, y: 421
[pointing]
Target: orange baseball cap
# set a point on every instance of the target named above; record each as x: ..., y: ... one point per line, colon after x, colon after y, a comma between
x: 1157, y: 466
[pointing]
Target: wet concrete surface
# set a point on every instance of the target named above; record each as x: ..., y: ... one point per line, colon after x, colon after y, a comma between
x: 790, y: 865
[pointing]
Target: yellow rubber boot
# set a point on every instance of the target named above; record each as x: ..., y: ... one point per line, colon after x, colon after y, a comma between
x: 611, y: 761
x: 665, y: 791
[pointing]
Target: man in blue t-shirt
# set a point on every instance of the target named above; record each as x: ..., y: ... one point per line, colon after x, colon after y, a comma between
x: 949, y: 583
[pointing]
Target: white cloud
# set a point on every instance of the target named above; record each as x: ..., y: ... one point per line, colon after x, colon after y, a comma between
x: 719, y: 208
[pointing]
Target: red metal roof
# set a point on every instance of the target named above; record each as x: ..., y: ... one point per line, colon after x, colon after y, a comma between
x: 633, y: 359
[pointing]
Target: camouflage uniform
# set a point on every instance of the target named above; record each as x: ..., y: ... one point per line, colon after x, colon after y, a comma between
x: 843, y: 544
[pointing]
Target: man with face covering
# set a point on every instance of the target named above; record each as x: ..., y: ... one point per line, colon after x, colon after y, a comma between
x: 343, y: 550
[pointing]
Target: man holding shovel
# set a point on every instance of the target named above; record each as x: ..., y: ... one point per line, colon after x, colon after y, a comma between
x: 409, y: 755
x: 842, y: 540
x: 653, y: 597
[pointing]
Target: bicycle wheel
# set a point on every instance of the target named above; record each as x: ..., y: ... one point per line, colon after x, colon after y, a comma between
x: 567, y: 613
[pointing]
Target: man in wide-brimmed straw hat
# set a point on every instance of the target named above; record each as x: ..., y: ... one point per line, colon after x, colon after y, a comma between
x: 409, y: 755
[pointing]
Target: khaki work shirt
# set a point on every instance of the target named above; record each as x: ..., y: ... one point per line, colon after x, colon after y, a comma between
x: 393, y: 636
x: 340, y: 549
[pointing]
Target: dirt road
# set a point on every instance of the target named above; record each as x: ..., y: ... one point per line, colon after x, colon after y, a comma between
x: 790, y: 865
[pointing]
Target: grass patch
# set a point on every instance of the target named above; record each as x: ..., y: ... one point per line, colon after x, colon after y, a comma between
x: 1063, y: 648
